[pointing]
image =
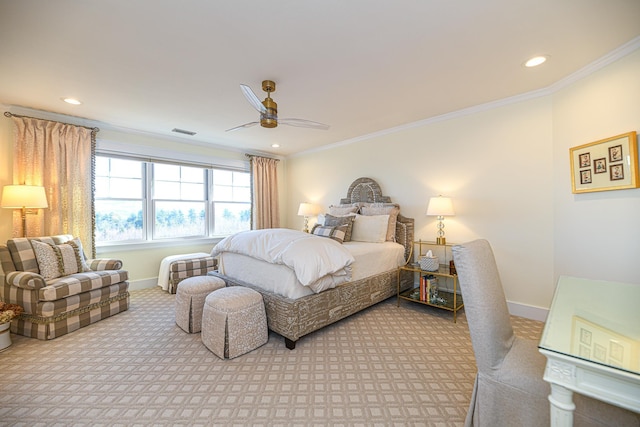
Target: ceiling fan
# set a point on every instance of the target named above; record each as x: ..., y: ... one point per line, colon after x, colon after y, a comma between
x: 268, y: 110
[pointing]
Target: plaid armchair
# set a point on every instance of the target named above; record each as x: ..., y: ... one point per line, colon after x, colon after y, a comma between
x: 64, y: 294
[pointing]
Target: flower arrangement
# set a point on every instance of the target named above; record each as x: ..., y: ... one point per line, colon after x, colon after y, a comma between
x: 9, y: 311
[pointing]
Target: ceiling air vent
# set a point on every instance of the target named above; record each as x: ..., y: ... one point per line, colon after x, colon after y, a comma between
x: 186, y: 132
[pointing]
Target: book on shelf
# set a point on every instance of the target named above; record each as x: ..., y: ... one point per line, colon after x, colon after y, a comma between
x: 427, y: 282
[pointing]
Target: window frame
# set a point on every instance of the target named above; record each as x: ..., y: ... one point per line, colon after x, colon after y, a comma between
x: 148, y: 209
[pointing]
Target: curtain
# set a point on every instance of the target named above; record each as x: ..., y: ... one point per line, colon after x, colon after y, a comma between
x: 266, y: 211
x: 60, y: 157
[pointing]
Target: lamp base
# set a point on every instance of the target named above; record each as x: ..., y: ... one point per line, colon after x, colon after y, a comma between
x: 441, y: 241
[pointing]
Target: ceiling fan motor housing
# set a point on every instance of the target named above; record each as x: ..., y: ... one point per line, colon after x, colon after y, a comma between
x: 270, y: 118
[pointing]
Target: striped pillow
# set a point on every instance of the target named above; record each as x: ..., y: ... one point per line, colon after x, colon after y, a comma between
x: 335, y: 233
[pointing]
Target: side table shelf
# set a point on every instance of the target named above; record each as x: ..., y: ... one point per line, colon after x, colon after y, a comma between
x: 451, y: 300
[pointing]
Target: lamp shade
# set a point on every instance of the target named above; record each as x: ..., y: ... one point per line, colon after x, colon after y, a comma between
x: 23, y: 196
x: 308, y: 209
x: 440, y: 206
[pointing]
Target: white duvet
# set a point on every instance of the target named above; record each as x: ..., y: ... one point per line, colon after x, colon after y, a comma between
x: 318, y: 262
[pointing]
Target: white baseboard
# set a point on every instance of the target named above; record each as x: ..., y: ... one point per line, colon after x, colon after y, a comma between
x: 528, y: 311
x: 136, y: 285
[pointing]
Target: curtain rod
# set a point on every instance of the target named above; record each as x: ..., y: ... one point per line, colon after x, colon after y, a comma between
x: 8, y: 114
x: 250, y: 156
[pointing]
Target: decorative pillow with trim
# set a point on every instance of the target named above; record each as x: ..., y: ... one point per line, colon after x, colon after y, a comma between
x: 83, y: 259
x: 335, y: 221
x: 370, y: 228
x: 57, y: 260
x: 335, y: 233
x: 384, y: 209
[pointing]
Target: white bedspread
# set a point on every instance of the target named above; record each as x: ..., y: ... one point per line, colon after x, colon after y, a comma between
x: 318, y: 262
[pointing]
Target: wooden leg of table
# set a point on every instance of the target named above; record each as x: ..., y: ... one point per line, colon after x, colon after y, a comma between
x: 562, y: 406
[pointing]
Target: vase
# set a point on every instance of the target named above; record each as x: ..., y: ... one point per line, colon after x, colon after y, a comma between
x: 5, y: 335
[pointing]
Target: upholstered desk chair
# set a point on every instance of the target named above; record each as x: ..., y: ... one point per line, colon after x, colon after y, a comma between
x: 509, y: 389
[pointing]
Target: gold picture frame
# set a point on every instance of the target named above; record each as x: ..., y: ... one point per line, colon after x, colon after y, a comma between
x: 608, y: 164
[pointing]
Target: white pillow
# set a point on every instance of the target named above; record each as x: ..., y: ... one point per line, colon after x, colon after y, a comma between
x: 370, y: 228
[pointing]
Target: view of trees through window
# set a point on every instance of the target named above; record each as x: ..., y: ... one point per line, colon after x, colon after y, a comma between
x: 185, y: 201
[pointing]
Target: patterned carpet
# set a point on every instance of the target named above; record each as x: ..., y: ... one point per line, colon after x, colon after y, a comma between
x: 386, y: 366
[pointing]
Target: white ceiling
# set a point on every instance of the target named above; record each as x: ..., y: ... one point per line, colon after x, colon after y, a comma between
x: 361, y: 66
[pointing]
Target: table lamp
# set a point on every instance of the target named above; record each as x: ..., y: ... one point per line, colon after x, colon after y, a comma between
x: 28, y: 198
x: 306, y: 210
x: 440, y: 206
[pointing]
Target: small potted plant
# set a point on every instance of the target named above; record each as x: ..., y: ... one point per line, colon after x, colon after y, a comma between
x: 7, y: 312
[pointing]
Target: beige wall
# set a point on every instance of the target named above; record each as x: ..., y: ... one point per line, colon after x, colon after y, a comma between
x: 507, y: 170
x: 495, y: 165
x: 596, y: 235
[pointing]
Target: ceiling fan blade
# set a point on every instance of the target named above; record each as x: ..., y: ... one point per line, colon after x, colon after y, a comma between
x: 303, y: 123
x: 246, y: 125
x: 253, y: 99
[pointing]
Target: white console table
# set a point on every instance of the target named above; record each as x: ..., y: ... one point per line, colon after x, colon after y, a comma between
x: 592, y: 343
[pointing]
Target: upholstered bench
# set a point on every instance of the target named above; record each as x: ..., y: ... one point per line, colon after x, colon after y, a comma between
x: 234, y: 322
x: 190, y: 298
x: 176, y: 268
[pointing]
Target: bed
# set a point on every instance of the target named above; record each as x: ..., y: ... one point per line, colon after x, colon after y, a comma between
x: 300, y: 311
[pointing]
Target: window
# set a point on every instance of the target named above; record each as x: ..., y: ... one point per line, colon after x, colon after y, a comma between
x: 179, y: 201
x: 231, y: 212
x: 119, y: 199
x: 145, y: 201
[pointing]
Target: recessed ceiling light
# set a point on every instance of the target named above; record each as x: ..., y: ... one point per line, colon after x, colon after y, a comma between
x: 275, y: 145
x: 535, y: 61
x: 71, y: 101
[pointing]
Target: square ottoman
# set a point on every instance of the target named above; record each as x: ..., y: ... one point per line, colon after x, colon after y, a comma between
x: 234, y: 322
x: 190, y: 298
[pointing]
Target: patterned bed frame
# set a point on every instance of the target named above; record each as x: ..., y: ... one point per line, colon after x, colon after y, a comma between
x: 295, y: 318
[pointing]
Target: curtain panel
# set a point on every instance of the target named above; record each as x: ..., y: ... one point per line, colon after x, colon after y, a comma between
x: 266, y: 210
x: 61, y: 158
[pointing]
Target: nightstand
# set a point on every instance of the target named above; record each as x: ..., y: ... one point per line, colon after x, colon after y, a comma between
x: 447, y: 297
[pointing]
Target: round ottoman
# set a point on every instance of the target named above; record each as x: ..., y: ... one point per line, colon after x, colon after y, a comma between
x: 190, y: 297
x: 234, y: 322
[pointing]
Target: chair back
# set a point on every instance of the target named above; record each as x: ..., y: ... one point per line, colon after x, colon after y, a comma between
x: 485, y: 305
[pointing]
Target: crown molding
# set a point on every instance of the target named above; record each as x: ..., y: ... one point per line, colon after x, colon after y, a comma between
x: 586, y: 71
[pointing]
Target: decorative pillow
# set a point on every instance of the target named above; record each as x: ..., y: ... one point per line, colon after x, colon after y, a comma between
x: 340, y: 210
x: 57, y: 260
x: 370, y: 228
x: 83, y: 260
x: 335, y: 221
x: 335, y: 233
x: 387, y: 209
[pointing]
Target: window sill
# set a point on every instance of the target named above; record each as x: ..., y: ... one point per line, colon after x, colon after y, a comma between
x: 156, y: 244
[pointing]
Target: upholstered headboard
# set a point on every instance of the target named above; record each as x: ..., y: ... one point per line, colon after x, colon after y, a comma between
x: 366, y: 190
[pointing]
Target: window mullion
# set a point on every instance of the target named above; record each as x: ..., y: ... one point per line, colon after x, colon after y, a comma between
x: 149, y: 213
x: 209, y: 204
